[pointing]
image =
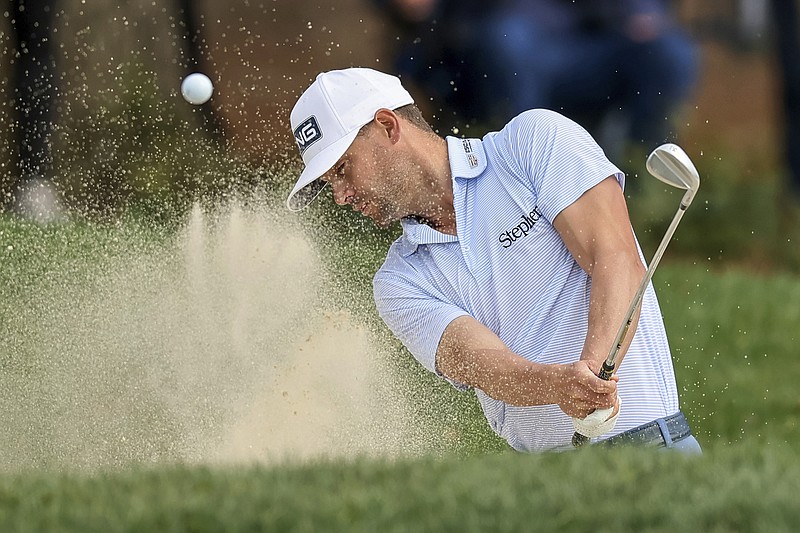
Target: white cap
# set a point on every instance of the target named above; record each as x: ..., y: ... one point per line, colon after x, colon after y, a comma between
x: 327, y: 117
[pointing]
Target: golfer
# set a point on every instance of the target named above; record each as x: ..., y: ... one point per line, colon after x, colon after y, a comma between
x: 516, y: 265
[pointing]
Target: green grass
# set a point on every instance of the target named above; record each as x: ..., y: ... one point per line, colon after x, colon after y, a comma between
x: 734, y: 338
x: 742, y: 488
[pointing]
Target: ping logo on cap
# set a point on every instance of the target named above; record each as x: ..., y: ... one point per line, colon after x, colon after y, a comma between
x: 307, y: 133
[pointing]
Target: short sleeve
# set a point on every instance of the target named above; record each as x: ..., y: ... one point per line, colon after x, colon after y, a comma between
x: 415, y: 314
x: 558, y: 157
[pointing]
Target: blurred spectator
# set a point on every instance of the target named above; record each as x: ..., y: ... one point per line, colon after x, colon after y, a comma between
x: 785, y: 18
x: 483, y: 61
x: 437, y: 51
x: 34, y: 93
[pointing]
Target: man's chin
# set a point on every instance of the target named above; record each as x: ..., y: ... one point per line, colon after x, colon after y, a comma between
x: 381, y: 222
x: 378, y: 217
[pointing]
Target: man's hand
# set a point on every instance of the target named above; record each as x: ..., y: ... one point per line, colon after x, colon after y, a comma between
x: 599, y: 422
x: 580, y: 391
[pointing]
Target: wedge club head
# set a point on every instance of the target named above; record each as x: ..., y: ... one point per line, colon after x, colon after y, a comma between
x: 670, y: 164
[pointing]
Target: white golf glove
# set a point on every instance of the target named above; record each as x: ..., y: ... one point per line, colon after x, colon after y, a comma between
x: 598, y: 422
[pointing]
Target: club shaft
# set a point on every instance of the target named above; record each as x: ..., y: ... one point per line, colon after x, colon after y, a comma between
x: 637, y: 299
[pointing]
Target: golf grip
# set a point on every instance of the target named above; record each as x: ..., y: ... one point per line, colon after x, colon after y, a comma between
x: 606, y: 372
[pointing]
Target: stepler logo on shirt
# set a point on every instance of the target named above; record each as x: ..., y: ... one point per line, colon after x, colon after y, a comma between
x: 507, y: 238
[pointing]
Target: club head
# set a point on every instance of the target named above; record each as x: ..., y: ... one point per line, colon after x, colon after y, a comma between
x: 670, y: 164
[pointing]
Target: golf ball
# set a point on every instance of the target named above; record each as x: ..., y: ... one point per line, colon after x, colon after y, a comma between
x: 197, y: 88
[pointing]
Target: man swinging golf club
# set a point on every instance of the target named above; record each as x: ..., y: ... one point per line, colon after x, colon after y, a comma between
x: 516, y: 266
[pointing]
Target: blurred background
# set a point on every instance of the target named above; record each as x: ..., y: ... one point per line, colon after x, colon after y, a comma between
x: 94, y: 124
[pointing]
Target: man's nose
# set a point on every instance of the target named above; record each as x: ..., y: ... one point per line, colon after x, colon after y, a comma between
x: 339, y: 194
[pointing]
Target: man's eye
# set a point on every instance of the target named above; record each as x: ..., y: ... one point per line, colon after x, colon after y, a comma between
x: 340, y: 170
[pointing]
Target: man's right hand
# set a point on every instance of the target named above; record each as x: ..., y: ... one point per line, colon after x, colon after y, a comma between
x: 580, y: 391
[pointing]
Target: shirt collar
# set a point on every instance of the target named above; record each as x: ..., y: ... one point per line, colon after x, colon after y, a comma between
x: 467, y: 160
x: 416, y: 233
x: 467, y: 157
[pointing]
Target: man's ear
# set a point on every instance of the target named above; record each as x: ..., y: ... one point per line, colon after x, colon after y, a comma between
x: 389, y: 123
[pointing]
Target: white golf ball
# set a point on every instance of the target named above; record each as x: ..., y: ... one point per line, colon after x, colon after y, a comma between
x: 197, y: 88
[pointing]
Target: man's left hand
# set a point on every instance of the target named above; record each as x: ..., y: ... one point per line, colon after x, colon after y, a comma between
x: 599, y: 422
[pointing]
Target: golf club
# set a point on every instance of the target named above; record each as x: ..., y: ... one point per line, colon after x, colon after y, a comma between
x: 670, y: 164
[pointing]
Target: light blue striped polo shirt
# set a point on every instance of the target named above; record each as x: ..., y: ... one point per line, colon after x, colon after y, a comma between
x: 509, y: 269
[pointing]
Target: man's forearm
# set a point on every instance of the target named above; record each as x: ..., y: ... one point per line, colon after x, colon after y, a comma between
x: 517, y: 381
x: 471, y: 354
x: 498, y: 372
x: 612, y: 291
